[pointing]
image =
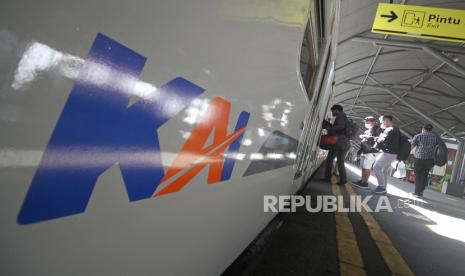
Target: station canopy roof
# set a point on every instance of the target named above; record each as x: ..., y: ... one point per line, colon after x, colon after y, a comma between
x: 415, y: 80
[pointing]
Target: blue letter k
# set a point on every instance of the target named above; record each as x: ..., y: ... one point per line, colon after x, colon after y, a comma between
x: 97, y: 129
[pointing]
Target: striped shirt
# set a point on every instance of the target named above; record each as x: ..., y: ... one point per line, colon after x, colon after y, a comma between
x: 425, y: 143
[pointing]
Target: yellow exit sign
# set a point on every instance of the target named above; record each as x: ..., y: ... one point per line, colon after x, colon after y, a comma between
x: 419, y: 21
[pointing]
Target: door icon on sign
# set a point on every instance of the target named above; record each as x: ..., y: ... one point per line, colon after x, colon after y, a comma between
x: 413, y: 19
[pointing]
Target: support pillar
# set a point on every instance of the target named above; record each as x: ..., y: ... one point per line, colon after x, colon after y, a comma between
x: 455, y: 186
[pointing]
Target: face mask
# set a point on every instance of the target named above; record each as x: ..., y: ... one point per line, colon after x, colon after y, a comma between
x: 368, y: 126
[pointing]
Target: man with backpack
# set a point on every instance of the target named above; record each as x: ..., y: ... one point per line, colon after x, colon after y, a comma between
x: 425, y: 144
x: 340, y: 129
x: 388, y: 143
x: 366, y: 153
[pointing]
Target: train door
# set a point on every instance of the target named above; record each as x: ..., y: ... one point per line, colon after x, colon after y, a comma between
x: 310, y: 52
x: 310, y: 156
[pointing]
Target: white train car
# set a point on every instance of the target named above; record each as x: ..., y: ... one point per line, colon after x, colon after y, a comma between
x: 139, y: 137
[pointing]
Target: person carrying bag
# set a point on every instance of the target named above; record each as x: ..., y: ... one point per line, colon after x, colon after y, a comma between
x: 367, y: 154
x: 338, y: 145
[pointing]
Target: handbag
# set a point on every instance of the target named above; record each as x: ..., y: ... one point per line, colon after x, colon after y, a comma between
x: 328, y: 141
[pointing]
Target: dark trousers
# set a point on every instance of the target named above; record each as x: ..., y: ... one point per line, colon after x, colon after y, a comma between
x: 340, y: 154
x: 421, y: 167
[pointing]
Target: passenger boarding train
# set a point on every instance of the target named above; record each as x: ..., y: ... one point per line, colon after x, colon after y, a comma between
x: 140, y: 137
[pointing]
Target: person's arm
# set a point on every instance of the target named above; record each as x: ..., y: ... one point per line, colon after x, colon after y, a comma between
x: 377, y: 132
x: 326, y: 124
x: 414, y: 141
x: 366, y: 136
x: 390, y: 136
x: 359, y: 152
x: 384, y: 138
x: 339, y: 124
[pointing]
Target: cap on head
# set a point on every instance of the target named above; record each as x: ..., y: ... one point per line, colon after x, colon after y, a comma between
x: 428, y: 127
x: 369, y: 119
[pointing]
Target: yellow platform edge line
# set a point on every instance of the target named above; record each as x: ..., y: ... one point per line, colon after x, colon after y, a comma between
x: 396, y: 263
x: 350, y: 256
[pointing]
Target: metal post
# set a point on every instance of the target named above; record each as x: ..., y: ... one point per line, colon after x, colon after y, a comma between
x: 455, y: 186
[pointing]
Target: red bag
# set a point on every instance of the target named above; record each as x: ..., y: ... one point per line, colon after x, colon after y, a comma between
x: 328, y: 141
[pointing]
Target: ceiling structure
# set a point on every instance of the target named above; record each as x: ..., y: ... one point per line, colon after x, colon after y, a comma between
x: 415, y: 80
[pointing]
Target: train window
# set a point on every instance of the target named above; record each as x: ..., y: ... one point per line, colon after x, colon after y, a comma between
x: 310, y: 58
x: 309, y: 49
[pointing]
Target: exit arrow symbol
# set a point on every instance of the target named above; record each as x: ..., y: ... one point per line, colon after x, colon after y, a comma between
x: 393, y: 16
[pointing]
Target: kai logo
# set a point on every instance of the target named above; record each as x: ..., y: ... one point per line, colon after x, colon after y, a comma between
x: 99, y: 128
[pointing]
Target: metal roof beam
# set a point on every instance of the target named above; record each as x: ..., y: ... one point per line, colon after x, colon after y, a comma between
x: 403, y: 130
x: 395, y: 70
x: 412, y: 77
x: 383, y: 93
x: 448, y: 84
x: 380, y: 109
x: 379, y: 114
x: 361, y: 110
x: 440, y: 56
x: 437, y: 112
x: 362, y: 59
x: 425, y: 116
x: 370, y: 103
x: 425, y: 77
x: 427, y: 90
x: 370, y: 68
x: 406, y: 91
x: 393, y: 112
x: 402, y: 44
x: 433, y: 51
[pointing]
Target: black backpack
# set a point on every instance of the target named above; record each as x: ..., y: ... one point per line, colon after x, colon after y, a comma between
x: 440, y: 153
x: 404, y: 148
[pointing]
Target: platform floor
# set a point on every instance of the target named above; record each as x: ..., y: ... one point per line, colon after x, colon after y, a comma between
x: 420, y: 237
